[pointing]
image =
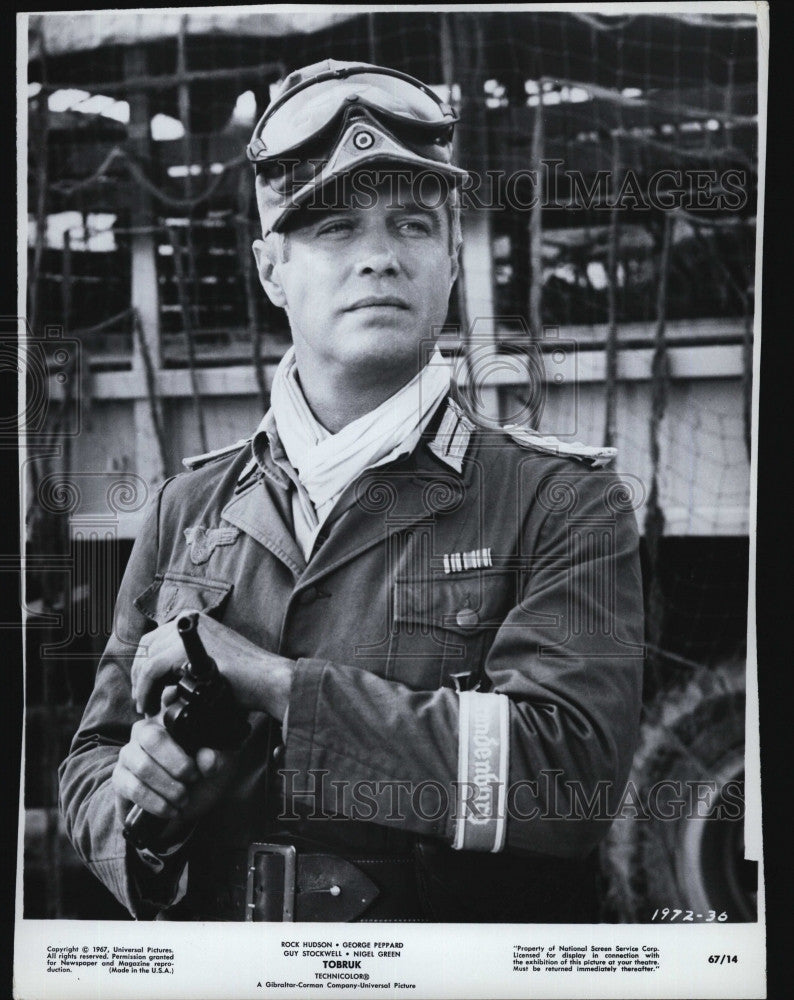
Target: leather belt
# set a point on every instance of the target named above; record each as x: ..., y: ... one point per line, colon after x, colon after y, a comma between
x: 282, y: 885
x: 277, y: 882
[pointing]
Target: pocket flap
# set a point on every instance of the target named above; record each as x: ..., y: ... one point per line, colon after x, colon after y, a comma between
x: 173, y: 593
x: 462, y: 604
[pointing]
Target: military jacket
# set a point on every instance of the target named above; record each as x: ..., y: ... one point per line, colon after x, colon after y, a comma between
x: 475, y: 564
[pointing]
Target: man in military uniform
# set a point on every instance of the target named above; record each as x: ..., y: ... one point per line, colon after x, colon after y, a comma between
x: 435, y: 627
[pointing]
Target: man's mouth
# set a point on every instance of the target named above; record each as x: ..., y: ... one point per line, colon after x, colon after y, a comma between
x: 377, y: 301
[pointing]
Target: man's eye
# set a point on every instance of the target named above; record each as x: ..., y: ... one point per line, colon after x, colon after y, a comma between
x: 337, y: 226
x: 414, y: 226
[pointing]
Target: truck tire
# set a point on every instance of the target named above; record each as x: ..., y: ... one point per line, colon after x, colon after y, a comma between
x: 685, y: 855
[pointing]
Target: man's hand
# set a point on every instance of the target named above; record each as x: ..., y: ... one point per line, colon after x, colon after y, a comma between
x: 154, y: 773
x: 260, y: 680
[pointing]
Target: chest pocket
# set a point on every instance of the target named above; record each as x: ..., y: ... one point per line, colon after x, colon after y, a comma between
x: 444, y: 626
x: 173, y: 593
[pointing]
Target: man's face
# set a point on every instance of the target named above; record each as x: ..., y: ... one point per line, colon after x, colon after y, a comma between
x: 366, y: 282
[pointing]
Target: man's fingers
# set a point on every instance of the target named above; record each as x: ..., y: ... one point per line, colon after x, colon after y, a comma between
x: 208, y: 762
x: 159, y: 659
x: 169, y: 695
x: 155, y: 742
x: 130, y: 788
x: 145, y: 771
x: 140, y: 779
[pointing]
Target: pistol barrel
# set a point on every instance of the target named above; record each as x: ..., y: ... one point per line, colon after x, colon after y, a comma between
x: 200, y: 663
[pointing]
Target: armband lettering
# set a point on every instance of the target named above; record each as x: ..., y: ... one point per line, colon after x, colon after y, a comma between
x: 483, y: 761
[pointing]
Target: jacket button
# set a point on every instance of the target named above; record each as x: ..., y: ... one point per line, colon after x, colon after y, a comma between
x: 466, y: 617
x: 309, y: 596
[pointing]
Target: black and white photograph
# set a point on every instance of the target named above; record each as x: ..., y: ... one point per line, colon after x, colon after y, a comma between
x: 388, y: 442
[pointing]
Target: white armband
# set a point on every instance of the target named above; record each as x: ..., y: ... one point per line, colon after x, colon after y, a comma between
x: 483, y: 761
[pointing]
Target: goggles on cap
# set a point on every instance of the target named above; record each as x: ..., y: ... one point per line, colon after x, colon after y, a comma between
x: 333, y: 119
x: 313, y: 112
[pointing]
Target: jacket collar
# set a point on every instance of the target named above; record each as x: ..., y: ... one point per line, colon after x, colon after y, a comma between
x: 381, y: 501
x: 447, y: 437
x: 426, y: 485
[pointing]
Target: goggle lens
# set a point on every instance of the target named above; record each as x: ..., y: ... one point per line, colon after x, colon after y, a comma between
x: 308, y: 112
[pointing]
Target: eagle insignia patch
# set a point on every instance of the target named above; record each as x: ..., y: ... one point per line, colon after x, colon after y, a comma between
x: 203, y: 541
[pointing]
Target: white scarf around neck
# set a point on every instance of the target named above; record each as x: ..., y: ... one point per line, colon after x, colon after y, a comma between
x: 326, y: 463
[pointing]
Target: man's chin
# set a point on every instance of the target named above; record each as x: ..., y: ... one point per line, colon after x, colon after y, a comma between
x: 371, y: 359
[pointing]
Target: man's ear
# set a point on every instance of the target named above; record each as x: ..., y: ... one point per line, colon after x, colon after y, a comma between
x: 267, y: 266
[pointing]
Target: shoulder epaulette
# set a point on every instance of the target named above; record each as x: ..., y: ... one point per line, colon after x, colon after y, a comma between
x: 196, y: 461
x: 452, y: 437
x: 590, y: 454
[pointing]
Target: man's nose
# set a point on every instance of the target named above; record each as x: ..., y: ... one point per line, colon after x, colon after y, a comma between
x: 378, y: 261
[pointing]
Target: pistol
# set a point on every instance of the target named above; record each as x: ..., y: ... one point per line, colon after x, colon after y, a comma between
x: 203, y: 714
